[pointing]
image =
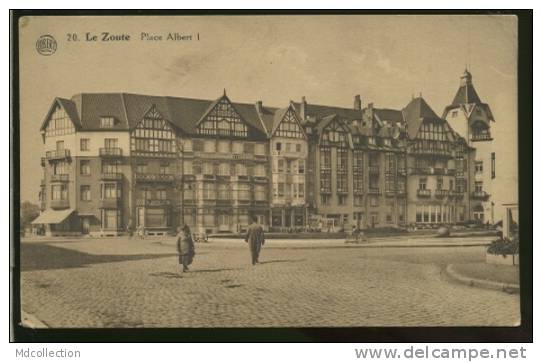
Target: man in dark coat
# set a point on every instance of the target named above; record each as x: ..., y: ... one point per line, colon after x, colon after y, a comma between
x: 255, y: 239
x: 185, y: 247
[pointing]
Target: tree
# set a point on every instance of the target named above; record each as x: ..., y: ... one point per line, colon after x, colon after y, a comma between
x: 29, y: 212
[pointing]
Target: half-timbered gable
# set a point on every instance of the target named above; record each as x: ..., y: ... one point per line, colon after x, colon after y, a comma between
x: 222, y: 119
x: 153, y: 136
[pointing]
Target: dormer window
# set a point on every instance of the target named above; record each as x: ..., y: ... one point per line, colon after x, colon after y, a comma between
x: 107, y: 122
x: 454, y: 114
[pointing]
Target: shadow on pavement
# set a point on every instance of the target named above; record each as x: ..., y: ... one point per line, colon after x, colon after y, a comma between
x: 45, y: 257
x: 282, y: 261
x: 211, y: 270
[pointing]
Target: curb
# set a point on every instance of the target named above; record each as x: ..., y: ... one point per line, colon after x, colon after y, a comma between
x: 481, y: 283
x: 30, y: 321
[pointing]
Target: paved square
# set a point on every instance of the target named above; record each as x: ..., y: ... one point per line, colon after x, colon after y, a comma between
x: 136, y: 283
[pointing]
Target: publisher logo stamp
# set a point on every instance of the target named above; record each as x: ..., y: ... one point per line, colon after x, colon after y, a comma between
x: 46, y: 45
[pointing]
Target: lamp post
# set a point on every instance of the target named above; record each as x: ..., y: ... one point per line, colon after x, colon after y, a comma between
x: 181, y: 196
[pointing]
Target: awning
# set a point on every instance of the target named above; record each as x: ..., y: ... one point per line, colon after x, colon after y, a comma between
x: 50, y: 216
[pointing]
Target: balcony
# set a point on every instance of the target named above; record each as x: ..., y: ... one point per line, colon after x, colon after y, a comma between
x: 260, y: 179
x: 374, y: 191
x: 439, y: 171
x: 57, y: 155
x: 390, y: 193
x: 374, y: 170
x: 110, y: 152
x: 401, y: 171
x: 60, y: 178
x: 111, y: 176
x: 481, y: 137
x: 153, y: 202
x: 154, y: 177
x: 400, y: 192
x: 450, y: 172
x: 110, y: 203
x: 480, y: 195
x: 60, y: 204
x: 421, y: 171
x: 441, y: 194
x: 456, y: 194
x: 423, y: 193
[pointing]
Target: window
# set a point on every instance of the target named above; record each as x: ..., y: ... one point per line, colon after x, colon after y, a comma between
x: 85, y: 167
x: 110, y: 190
x: 110, y: 167
x: 281, y: 165
x: 164, y: 169
x: 224, y: 169
x: 451, y: 185
x: 107, y: 122
x: 187, y: 145
x: 422, y: 183
x: 492, y: 165
x: 84, y: 144
x: 324, y: 199
x: 259, y: 170
x: 209, y: 146
x: 237, y: 148
x: 110, y: 219
x: 187, y: 168
x: 208, y: 168
x: 59, y: 145
x: 479, y: 166
x: 301, y: 166
x: 281, y: 189
x: 59, y: 192
x: 278, y: 146
x: 85, y: 192
x: 298, y: 147
x: 61, y: 168
x: 161, y: 194
x: 440, y: 183
x: 223, y: 147
x: 141, y: 168
x: 240, y: 169
x: 208, y: 191
x: 479, y: 186
x: 147, y: 194
x: 342, y: 200
x: 342, y: 170
x: 111, y: 143
x: 454, y: 114
x: 288, y: 147
x: 301, y: 190
x: 373, y: 201
x: 260, y: 193
x: 243, y: 191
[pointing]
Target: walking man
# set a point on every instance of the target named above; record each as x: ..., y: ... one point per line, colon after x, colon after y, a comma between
x: 255, y: 239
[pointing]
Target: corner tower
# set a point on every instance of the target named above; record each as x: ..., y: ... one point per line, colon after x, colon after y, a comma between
x: 472, y: 119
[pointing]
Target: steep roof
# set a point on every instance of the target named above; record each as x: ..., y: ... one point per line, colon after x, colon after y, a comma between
x: 320, y: 111
x: 387, y: 114
x: 466, y: 94
x: 128, y: 109
x: 415, y: 113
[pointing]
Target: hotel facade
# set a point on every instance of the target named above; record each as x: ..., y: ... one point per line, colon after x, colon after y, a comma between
x: 115, y: 162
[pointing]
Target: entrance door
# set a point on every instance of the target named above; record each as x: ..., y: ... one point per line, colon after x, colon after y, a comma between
x: 287, y: 218
x: 141, y: 216
x: 85, y: 225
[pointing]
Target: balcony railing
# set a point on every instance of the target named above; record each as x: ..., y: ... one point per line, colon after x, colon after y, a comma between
x: 374, y: 170
x: 424, y: 193
x: 111, y: 152
x: 401, y: 171
x: 57, y: 154
x: 374, y: 191
x: 390, y: 193
x: 457, y: 194
x: 153, y: 202
x: 110, y: 203
x: 439, y: 171
x: 60, y: 204
x: 111, y: 176
x: 450, y: 172
x: 400, y: 192
x: 441, y: 193
x: 154, y: 177
x: 60, y: 178
x: 481, y: 137
x: 479, y: 195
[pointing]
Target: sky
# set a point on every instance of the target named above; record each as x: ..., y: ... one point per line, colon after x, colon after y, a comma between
x: 328, y: 59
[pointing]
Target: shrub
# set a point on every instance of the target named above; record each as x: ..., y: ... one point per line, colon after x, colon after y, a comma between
x: 504, y: 246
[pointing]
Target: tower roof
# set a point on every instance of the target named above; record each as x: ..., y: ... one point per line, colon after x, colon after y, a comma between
x: 466, y: 92
x: 415, y: 113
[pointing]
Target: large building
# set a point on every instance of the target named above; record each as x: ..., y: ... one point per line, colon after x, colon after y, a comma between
x: 118, y: 162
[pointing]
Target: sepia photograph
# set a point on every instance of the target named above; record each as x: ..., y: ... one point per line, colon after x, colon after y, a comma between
x: 285, y: 171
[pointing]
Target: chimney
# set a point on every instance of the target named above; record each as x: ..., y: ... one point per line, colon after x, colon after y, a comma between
x: 303, y: 108
x: 259, y: 106
x: 370, y: 110
x: 357, y: 102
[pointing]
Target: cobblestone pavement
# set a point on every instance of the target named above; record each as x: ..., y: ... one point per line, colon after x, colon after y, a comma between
x: 136, y: 283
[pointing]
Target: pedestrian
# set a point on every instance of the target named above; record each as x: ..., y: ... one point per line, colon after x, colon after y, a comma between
x: 185, y: 247
x: 255, y: 239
